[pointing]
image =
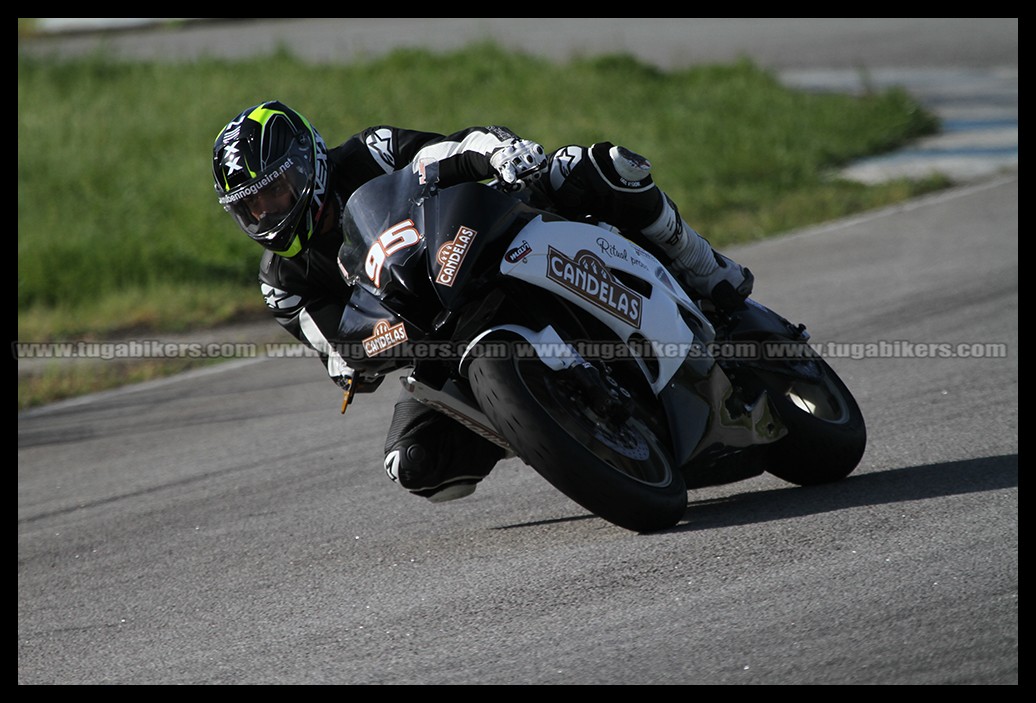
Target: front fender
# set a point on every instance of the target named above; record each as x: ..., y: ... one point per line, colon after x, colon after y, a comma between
x: 548, y: 345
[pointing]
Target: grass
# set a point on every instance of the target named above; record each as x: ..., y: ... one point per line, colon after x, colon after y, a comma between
x: 58, y: 382
x: 119, y: 229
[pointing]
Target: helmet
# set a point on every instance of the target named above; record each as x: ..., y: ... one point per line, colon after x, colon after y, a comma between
x: 270, y: 168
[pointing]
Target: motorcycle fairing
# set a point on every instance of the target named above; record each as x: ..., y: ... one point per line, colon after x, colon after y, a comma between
x: 620, y: 284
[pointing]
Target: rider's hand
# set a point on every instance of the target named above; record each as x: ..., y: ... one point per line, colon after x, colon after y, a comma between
x: 519, y: 164
x: 352, y: 382
x: 344, y: 381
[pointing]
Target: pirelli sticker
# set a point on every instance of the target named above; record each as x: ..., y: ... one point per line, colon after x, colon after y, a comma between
x: 451, y: 255
x: 588, y: 277
x: 385, y: 337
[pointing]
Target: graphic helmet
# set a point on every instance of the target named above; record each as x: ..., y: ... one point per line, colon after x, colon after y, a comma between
x: 270, y: 171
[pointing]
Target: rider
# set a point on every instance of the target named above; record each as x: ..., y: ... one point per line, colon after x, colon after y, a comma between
x: 275, y: 175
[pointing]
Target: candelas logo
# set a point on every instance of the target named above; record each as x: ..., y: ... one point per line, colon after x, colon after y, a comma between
x: 451, y: 255
x: 385, y: 337
x: 587, y: 277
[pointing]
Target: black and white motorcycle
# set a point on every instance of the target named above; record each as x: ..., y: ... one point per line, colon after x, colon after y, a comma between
x: 578, y: 352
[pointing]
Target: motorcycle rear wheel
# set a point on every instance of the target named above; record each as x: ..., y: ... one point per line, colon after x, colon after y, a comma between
x: 827, y: 434
x: 623, y: 474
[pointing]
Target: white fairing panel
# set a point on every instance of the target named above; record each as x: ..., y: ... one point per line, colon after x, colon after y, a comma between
x: 594, y: 268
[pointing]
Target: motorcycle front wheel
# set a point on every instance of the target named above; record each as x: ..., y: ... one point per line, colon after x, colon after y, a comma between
x: 621, y: 472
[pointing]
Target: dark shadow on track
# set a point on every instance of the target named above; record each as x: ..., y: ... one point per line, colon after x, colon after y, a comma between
x: 883, y: 487
x: 892, y: 486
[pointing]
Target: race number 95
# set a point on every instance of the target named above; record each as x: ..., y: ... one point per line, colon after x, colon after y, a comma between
x: 396, y: 238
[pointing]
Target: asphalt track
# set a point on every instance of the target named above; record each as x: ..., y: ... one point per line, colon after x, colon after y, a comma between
x: 230, y: 527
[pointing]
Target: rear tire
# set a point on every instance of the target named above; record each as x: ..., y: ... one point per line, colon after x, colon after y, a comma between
x: 826, y: 430
x: 622, y: 474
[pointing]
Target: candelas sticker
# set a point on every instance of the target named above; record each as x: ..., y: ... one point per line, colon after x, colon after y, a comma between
x: 588, y: 277
x: 385, y: 337
x: 451, y: 255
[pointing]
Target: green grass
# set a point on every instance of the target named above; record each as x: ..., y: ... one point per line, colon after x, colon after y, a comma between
x: 57, y: 381
x: 119, y: 229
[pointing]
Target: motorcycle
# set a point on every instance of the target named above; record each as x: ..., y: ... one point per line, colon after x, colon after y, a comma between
x: 574, y: 349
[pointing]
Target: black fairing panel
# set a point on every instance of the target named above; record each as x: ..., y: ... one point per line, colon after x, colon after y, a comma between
x: 408, y: 246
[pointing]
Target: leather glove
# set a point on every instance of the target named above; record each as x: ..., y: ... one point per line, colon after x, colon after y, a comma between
x: 357, y: 383
x: 519, y: 164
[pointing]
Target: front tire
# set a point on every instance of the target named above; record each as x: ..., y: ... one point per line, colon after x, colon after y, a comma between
x: 623, y: 473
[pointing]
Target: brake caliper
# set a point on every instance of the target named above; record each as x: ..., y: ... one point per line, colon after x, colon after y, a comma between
x: 600, y: 392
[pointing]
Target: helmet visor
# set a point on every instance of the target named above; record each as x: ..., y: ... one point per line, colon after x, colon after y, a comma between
x: 272, y: 201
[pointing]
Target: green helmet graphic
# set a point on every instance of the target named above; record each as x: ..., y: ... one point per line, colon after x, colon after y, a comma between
x: 270, y: 171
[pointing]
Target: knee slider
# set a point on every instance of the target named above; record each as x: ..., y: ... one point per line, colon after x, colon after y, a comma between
x: 621, y: 168
x: 631, y: 167
x: 407, y: 464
